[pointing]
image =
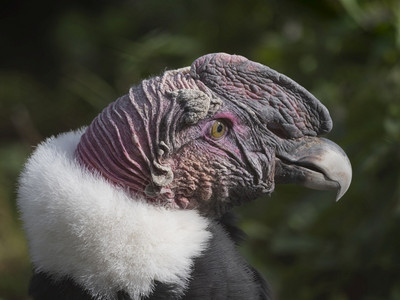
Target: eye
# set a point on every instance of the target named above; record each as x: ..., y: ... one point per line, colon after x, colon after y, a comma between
x: 218, y: 129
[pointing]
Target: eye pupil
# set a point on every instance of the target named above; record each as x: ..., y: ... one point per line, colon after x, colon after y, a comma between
x: 220, y: 128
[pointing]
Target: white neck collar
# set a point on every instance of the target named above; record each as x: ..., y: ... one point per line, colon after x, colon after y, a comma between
x: 81, y: 226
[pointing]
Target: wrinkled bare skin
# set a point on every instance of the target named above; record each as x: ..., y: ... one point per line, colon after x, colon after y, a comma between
x: 212, y: 181
x: 157, y: 140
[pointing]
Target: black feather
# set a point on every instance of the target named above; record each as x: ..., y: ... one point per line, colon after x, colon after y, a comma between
x: 222, y: 273
x: 44, y: 287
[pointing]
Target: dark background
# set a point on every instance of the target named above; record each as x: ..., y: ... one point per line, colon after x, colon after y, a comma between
x: 61, y: 62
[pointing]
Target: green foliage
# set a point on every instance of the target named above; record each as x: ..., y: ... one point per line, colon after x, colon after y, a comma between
x: 62, y: 63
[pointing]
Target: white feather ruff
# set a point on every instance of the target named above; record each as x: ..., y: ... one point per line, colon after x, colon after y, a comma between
x: 81, y: 226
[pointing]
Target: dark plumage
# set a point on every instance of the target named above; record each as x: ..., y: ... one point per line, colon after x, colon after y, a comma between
x: 220, y: 273
x: 136, y: 206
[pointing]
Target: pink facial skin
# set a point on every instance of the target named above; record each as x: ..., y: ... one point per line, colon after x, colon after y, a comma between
x: 233, y: 124
x: 157, y: 140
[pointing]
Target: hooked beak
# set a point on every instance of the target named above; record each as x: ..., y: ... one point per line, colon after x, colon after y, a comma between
x: 315, y: 163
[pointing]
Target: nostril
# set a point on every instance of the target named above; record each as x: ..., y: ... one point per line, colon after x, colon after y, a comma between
x: 277, y: 129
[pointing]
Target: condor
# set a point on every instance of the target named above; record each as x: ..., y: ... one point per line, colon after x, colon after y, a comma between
x: 136, y: 205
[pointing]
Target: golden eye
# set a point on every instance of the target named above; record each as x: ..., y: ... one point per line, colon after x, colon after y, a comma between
x: 218, y: 129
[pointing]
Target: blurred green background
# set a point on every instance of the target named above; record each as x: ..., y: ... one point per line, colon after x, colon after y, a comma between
x: 61, y: 62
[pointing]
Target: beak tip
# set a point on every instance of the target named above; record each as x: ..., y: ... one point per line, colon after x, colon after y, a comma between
x: 320, y: 164
x: 344, y: 179
x: 339, y: 194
